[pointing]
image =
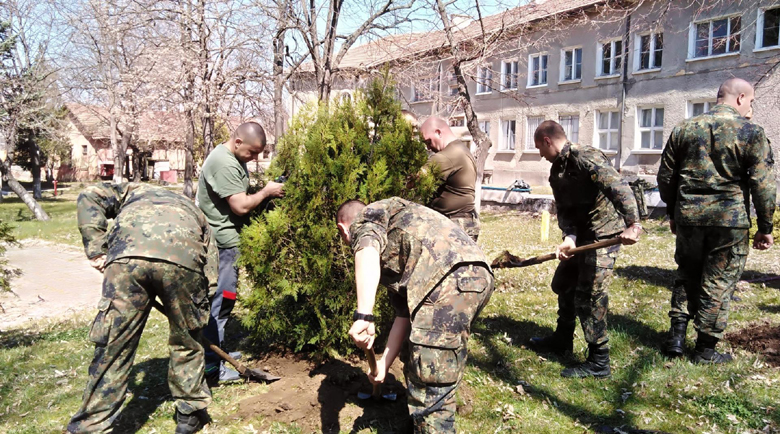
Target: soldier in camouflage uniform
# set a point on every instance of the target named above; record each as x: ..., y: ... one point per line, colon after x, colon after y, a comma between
x: 710, y: 166
x: 457, y: 170
x: 593, y: 204
x: 439, y: 281
x: 159, y: 246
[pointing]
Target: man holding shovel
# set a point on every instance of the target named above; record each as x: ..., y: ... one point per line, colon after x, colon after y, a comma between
x: 160, y: 246
x: 439, y: 281
x: 593, y: 204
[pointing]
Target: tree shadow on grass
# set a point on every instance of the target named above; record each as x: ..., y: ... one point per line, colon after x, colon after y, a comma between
x: 148, y: 384
x: 625, y: 379
x: 657, y: 276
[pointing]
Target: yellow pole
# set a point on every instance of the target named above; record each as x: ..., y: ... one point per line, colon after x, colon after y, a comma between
x: 545, y: 226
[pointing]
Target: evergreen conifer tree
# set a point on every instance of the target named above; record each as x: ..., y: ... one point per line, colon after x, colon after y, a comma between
x: 303, y: 291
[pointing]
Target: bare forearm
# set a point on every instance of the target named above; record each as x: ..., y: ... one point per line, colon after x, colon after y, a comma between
x: 398, y: 336
x: 367, y: 271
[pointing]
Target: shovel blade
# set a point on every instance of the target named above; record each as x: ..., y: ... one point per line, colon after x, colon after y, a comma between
x: 387, y: 396
x: 259, y: 375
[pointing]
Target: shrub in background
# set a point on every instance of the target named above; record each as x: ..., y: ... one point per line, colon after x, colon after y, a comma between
x: 303, y: 291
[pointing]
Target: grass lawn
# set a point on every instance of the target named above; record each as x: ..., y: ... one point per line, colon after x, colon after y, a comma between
x: 43, y: 372
x: 62, y: 210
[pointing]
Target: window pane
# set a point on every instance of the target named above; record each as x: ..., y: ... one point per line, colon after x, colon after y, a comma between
x: 575, y: 129
x: 578, y: 71
x: 657, y: 60
x: 645, y: 118
x: 702, y: 48
x: 604, y: 121
x: 658, y: 141
x: 544, y: 77
x: 698, y: 108
x: 719, y: 45
x: 618, y: 64
x: 720, y: 28
x: 771, y: 31
x: 544, y: 62
x: 659, y: 117
x: 644, y: 60
x: 659, y: 41
x: 613, y: 141
x: 645, y: 139
x: 603, y: 140
x: 614, y: 124
x: 735, y: 34
x: 702, y: 39
x: 618, y: 48
x: 644, y: 44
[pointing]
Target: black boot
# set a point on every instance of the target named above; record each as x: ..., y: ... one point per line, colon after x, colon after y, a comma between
x: 675, y: 343
x: 596, y: 365
x: 560, y: 342
x: 705, y: 351
x: 191, y: 423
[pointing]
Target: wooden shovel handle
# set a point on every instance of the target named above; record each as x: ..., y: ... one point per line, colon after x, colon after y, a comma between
x: 372, y: 364
x: 550, y: 256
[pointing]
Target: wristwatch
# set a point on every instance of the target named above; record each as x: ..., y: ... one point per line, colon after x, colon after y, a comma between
x: 362, y: 316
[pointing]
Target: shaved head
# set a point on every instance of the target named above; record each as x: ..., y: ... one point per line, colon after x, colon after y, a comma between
x: 436, y: 133
x: 250, y: 132
x: 737, y: 93
x: 248, y: 141
x: 550, y: 129
x: 345, y: 216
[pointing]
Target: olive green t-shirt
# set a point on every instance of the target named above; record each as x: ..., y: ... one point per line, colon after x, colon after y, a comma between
x: 458, y: 171
x: 222, y: 176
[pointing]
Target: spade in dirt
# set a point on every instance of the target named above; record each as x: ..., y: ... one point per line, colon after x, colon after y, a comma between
x: 250, y: 374
x: 377, y: 393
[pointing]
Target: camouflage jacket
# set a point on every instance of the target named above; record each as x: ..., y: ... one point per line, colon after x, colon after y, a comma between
x: 149, y: 222
x: 418, y: 246
x: 593, y: 201
x: 710, y: 164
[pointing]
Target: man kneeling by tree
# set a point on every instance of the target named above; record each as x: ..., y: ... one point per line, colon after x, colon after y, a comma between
x: 439, y: 281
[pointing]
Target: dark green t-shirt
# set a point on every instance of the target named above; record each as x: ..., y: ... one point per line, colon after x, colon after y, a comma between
x: 222, y: 176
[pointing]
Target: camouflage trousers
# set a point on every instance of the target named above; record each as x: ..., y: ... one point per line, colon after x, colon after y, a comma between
x: 129, y: 285
x: 470, y: 225
x: 435, y: 357
x: 581, y: 284
x: 710, y: 261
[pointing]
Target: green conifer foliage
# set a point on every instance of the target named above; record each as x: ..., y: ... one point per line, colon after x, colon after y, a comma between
x: 303, y: 291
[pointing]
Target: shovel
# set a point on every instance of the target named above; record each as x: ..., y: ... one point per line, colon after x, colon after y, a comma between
x: 377, y: 394
x: 508, y: 260
x: 250, y: 374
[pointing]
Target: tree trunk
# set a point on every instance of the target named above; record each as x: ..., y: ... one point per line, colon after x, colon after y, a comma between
x: 189, y: 160
x: 208, y: 132
x: 17, y: 188
x: 35, y: 169
x: 136, y: 165
x: 278, y: 72
x: 119, y: 152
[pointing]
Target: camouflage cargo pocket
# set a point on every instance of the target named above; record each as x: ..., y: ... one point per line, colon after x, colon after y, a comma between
x: 602, y: 258
x: 200, y: 306
x: 100, y: 331
x: 472, y: 284
x: 437, y: 357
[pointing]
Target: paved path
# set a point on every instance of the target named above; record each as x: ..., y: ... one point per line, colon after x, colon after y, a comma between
x: 56, y: 282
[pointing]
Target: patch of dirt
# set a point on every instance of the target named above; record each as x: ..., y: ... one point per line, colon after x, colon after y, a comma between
x: 762, y: 339
x: 55, y: 281
x: 323, y: 398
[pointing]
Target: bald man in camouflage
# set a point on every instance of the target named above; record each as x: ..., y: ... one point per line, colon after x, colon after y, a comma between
x: 159, y: 246
x: 711, y: 165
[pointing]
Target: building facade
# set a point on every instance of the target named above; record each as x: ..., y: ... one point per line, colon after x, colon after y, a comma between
x: 618, y: 79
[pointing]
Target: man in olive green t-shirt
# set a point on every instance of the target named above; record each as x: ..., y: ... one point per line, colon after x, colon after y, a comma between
x: 222, y: 196
x: 457, y: 168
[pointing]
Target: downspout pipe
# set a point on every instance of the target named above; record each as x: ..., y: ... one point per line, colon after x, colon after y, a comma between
x: 623, y: 91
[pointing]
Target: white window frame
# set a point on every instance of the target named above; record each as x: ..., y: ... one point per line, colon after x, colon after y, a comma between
x: 459, y: 119
x: 692, y: 38
x: 573, y: 50
x: 600, y: 59
x: 708, y: 104
x: 568, y: 130
x: 502, y: 145
x: 485, y: 127
x: 514, y: 72
x: 611, y: 129
x: 652, y: 129
x: 529, y: 84
x: 432, y: 88
x: 530, y: 146
x: 484, y: 80
x: 638, y: 52
x: 759, y: 46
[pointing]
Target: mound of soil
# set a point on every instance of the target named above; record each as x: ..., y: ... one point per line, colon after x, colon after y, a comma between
x: 324, y: 398
x: 761, y: 339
